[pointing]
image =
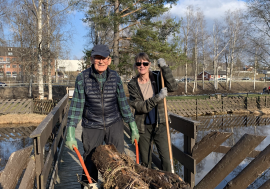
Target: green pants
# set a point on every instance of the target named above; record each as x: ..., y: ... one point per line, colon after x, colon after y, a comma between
x: 159, y: 136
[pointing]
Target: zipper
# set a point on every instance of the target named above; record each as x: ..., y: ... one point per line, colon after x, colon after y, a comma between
x: 102, y: 99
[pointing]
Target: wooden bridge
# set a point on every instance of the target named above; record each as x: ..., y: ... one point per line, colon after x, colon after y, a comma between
x: 58, y: 167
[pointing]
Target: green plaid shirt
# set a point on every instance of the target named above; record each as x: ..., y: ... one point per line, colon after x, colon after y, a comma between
x: 78, y: 100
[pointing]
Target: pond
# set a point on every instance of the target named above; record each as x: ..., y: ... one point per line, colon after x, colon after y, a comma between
x: 238, y: 125
x: 13, y: 139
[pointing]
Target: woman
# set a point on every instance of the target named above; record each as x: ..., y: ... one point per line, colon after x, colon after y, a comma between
x: 146, y: 97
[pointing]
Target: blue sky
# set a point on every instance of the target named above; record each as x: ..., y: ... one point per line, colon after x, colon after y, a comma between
x: 79, y: 39
x: 213, y: 9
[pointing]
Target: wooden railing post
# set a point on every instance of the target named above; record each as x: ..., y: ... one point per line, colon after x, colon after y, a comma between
x: 39, y: 161
x: 189, y: 143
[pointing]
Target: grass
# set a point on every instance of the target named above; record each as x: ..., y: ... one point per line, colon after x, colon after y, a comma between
x: 206, y: 96
x: 21, y: 118
x: 186, y: 97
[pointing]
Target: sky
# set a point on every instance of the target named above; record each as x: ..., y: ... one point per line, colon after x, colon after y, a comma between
x: 213, y: 9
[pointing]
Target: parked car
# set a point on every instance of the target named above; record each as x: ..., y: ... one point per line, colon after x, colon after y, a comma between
x: 188, y: 80
x: 263, y: 78
x: 246, y: 78
x: 222, y: 79
x: 2, y: 84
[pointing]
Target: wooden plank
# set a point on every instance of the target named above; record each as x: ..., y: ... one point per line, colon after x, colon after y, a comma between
x: 266, y: 185
x: 29, y: 175
x: 39, y: 161
x: 27, y: 107
x: 47, y: 166
x: 188, y: 161
x: 253, y: 170
x: 20, y: 108
x: 189, y: 143
x: 6, y: 104
x: 56, y: 167
x: 14, y: 167
x: 230, y: 161
x: 183, y: 125
x: 51, y: 153
x: 225, y: 149
x: 43, y: 131
x: 208, y: 144
x: 13, y: 103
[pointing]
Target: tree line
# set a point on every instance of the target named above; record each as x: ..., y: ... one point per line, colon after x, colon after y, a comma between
x: 189, y: 44
x: 38, y: 35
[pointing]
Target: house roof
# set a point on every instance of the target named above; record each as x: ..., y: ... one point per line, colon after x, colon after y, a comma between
x: 220, y: 72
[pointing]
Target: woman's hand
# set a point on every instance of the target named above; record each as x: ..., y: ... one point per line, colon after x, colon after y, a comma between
x: 163, y: 93
x: 161, y: 62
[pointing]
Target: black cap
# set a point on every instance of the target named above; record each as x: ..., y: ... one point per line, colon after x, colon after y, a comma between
x: 102, y: 50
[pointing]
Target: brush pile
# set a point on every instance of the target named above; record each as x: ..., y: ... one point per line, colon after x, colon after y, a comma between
x: 119, y: 171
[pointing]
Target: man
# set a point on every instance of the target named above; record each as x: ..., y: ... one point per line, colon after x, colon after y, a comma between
x: 99, y: 100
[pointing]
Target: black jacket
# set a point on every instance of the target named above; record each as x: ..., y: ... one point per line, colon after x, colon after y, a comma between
x: 101, y: 108
x: 142, y: 107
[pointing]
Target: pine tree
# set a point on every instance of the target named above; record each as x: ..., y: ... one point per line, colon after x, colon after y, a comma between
x: 130, y: 27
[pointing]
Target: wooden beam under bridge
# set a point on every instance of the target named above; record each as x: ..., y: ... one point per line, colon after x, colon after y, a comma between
x: 230, y: 161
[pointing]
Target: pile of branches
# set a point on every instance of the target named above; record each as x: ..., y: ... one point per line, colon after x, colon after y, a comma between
x: 120, y: 171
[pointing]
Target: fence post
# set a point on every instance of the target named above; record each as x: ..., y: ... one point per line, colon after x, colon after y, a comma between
x: 196, y: 108
x: 41, y: 106
x: 32, y: 106
x: 189, y: 143
x: 222, y: 105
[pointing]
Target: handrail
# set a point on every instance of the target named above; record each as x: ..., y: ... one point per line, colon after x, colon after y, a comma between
x: 189, y: 129
x: 46, y: 129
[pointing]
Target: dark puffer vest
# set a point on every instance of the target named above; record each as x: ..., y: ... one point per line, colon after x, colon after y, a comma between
x: 101, y: 108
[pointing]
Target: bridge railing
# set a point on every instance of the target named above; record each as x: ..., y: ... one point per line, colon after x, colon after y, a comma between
x: 188, y: 128
x: 52, y: 128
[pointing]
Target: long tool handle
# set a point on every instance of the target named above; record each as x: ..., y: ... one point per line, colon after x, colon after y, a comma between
x: 167, y: 124
x: 82, y: 163
x: 137, y: 151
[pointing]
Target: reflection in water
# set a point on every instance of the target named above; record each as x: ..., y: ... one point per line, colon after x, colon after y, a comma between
x: 8, y: 146
x: 246, y: 125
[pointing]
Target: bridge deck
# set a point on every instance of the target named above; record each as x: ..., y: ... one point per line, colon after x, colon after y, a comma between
x: 70, y: 166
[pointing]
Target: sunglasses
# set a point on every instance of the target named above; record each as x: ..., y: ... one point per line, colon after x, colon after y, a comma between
x: 140, y: 63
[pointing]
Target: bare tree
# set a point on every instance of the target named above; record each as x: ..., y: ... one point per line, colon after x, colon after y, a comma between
x: 4, y: 10
x: 258, y: 16
x: 186, y: 27
x: 236, y: 33
x: 197, y: 38
x: 204, y: 37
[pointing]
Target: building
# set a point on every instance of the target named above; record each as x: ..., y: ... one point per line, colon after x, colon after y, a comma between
x: 69, y: 65
x: 209, y: 75
x: 11, y: 64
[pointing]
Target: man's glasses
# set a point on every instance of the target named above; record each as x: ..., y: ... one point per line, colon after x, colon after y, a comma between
x: 100, y: 58
x: 140, y: 63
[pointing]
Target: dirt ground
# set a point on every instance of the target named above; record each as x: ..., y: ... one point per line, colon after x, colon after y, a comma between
x: 32, y: 119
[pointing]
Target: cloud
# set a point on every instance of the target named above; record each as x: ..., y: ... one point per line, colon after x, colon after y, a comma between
x: 212, y: 9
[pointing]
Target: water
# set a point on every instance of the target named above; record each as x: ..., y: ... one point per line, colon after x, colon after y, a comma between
x: 8, y: 146
x: 212, y: 159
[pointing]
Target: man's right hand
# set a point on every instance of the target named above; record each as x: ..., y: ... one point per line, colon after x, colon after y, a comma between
x: 134, y: 132
x: 70, y: 138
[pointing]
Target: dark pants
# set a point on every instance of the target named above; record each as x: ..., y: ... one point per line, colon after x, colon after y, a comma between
x: 93, y: 138
x: 159, y: 136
